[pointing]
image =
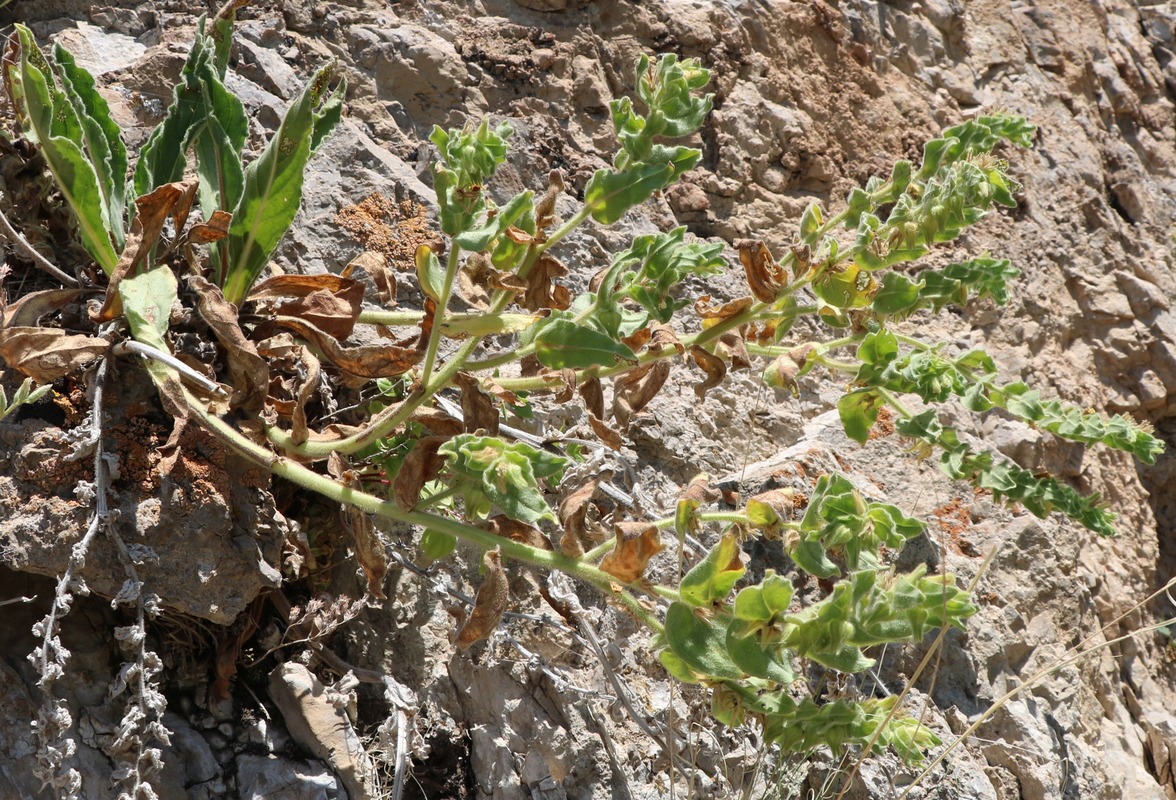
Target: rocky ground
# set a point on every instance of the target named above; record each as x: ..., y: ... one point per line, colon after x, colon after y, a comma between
x: 812, y: 98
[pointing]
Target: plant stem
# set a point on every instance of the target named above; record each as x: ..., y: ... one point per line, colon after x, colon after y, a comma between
x: 452, y: 263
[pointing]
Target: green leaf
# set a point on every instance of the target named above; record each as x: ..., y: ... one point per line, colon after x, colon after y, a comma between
x: 490, y: 472
x: 677, y: 667
x: 430, y: 273
x: 712, y: 579
x: 748, y: 655
x: 103, y: 143
x: 273, y: 183
x: 436, y: 545
x: 562, y: 343
x: 898, y: 294
x: 810, y: 222
x: 479, y: 239
x: 611, y: 193
x: 147, y: 301
x: 858, y: 411
x: 45, y: 114
x: 700, y: 644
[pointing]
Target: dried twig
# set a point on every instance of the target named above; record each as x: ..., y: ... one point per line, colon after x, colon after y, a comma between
x: 22, y: 244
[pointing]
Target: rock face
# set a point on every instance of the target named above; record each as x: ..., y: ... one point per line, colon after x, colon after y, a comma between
x: 812, y: 98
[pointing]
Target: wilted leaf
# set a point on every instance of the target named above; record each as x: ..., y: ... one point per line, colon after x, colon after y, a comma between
x: 768, y: 509
x: 369, y: 550
x: 637, y: 339
x: 153, y: 211
x: 636, y: 389
x: 663, y: 337
x: 376, y: 266
x: 26, y: 311
x: 438, y: 422
x: 299, y: 430
x: 377, y: 361
x: 573, y: 512
x: 712, y: 365
x: 477, y: 409
x: 545, y: 208
x: 517, y: 531
x: 712, y: 316
x: 697, y: 494
x: 566, y: 379
x: 47, y: 354
x: 637, y: 542
x: 214, y: 230
x: 248, y: 371
x: 605, y: 434
x: 489, y: 605
x: 542, y: 291
x: 764, y: 275
x: 329, y: 302
x: 593, y: 395
x: 420, y: 466
x: 732, y: 345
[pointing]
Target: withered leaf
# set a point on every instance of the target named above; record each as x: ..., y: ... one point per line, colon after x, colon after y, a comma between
x: 663, y: 337
x: 376, y: 266
x: 545, y: 208
x: 637, y: 542
x: 214, y: 230
x: 697, y: 493
x: 382, y: 361
x: 438, y: 422
x: 27, y: 310
x: 542, y: 290
x: 635, y: 389
x: 47, y: 354
x: 420, y: 466
x: 369, y: 549
x: 489, y: 605
x: 171, y: 394
x: 712, y: 365
x: 248, y: 372
x: 593, y: 395
x: 733, y: 346
x: 518, y: 531
x: 573, y: 513
x: 566, y: 378
x: 637, y: 339
x: 605, y: 434
x: 477, y: 407
x: 153, y: 210
x: 764, y: 275
x: 329, y: 302
x: 712, y: 316
x: 300, y: 431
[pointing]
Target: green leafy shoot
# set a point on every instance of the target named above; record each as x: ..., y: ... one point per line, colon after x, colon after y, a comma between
x: 490, y: 473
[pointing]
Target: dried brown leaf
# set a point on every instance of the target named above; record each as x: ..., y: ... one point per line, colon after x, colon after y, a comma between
x: 635, y: 389
x: 489, y: 605
x: 711, y: 315
x: 152, y: 212
x: 376, y: 267
x: 369, y: 549
x: 593, y: 394
x: 300, y: 431
x: 380, y: 361
x: 47, y: 354
x: 573, y: 514
x: 420, y: 466
x: 637, y: 543
x: 329, y: 302
x: 712, y: 365
x: 663, y: 337
x: 517, y: 531
x: 566, y: 379
x: 605, y: 434
x: 477, y: 407
x: 248, y: 372
x: 734, y: 348
x: 26, y: 311
x: 214, y: 230
x: 764, y: 275
x: 542, y: 290
x: 438, y: 422
x: 637, y: 339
